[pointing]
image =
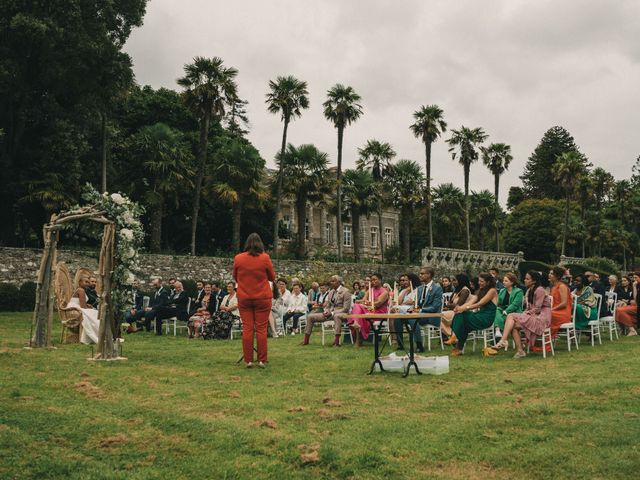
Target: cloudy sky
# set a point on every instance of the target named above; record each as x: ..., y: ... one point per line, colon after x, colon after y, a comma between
x: 513, y: 67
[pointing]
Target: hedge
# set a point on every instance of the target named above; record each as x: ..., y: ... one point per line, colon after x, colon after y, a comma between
x: 14, y: 299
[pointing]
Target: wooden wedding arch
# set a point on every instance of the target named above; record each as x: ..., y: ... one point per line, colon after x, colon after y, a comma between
x: 45, y: 291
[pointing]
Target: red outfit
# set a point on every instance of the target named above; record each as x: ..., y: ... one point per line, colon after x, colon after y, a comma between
x: 559, y: 317
x: 253, y: 273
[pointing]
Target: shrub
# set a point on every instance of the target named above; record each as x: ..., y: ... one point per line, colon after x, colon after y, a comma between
x: 9, y: 297
x: 27, y: 297
x: 524, y: 267
x: 602, y: 264
x: 189, y: 287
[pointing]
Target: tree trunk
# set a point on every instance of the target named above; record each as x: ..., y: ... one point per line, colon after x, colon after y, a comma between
x: 44, y: 292
x: 566, y: 224
x: 276, y: 220
x: 236, y: 214
x: 380, y: 229
x: 339, y: 192
x: 155, y: 238
x: 406, y: 234
x: 582, y: 215
x: 301, y: 207
x: 467, y: 169
x: 103, y: 150
x: 427, y: 147
x: 105, y: 348
x: 202, y: 162
x: 497, y: 190
x: 355, y: 229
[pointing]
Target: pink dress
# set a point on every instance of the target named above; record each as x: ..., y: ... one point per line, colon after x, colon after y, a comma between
x: 359, y: 308
x: 536, y: 318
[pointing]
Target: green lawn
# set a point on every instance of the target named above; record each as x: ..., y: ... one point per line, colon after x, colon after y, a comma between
x: 182, y: 408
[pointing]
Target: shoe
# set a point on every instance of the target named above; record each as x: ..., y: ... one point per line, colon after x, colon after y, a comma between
x: 520, y: 354
x: 249, y: 365
x: 452, y: 340
x: 336, y: 345
x: 500, y: 345
x: 262, y: 365
x: 632, y: 333
x: 457, y: 352
x: 488, y: 352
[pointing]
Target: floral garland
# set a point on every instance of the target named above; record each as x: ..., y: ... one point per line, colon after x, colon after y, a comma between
x: 129, y: 239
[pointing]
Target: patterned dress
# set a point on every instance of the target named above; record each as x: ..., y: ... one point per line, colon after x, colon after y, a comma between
x: 537, y: 317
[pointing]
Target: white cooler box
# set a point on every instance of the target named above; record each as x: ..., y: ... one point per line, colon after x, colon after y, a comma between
x: 426, y: 365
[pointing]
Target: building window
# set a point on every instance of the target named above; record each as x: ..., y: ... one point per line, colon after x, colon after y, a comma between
x: 388, y: 236
x: 306, y: 229
x: 374, y: 237
x: 286, y: 221
x: 347, y: 236
x: 328, y: 231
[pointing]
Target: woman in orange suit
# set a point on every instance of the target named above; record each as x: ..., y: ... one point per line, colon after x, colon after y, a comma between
x: 252, y: 270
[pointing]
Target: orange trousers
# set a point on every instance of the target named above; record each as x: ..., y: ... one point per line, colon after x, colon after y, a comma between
x: 255, y: 317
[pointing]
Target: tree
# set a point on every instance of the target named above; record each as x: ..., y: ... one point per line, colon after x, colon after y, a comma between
x: 538, y: 180
x: 162, y: 153
x: 448, y: 207
x: 342, y: 109
x: 406, y: 187
x: 603, y: 183
x: 359, y: 194
x: 308, y: 179
x: 210, y: 88
x: 567, y: 171
x: 428, y: 126
x: 463, y: 144
x: 377, y: 156
x: 585, y: 196
x: 497, y: 158
x: 621, y: 197
x: 635, y: 170
x: 288, y: 97
x: 483, y: 213
x: 238, y: 173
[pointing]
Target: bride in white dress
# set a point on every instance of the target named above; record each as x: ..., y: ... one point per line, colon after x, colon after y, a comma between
x: 90, y: 322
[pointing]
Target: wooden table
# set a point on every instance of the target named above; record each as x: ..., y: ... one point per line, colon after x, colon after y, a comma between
x: 377, y: 333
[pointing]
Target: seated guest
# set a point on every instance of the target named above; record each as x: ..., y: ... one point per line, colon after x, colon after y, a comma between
x: 561, y: 310
x: 466, y: 320
x: 313, y: 294
x: 461, y: 296
x: 406, y: 295
x: 496, y: 275
x: 230, y: 301
x: 296, y: 308
x: 202, y: 313
x: 217, y: 295
x: 323, y: 291
x: 626, y: 291
x: 358, y: 293
x: 196, y: 302
x: 428, y: 299
x: 335, y: 308
x: 377, y: 301
x: 474, y: 285
x: 220, y: 323
x: 159, y: 300
x: 90, y: 321
x: 510, y: 300
x: 608, y: 301
x: 172, y: 289
x: 627, y: 315
x: 592, y: 280
x: 279, y: 306
x: 587, y: 308
x: 533, y: 322
x: 364, y: 288
x: 446, y: 285
x: 92, y: 294
x: 176, y: 307
x: 136, y: 312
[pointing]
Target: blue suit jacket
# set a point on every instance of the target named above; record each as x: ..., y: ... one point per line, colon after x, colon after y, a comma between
x: 433, y: 301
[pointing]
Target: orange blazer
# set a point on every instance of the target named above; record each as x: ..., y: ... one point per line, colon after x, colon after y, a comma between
x: 253, y: 275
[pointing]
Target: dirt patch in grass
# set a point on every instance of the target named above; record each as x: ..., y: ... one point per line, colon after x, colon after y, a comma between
x: 267, y: 424
x: 464, y: 470
x: 309, y: 453
x: 297, y: 409
x: 89, y: 390
x: 331, y: 403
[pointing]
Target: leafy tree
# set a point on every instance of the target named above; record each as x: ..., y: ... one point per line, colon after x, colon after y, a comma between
x: 377, y: 156
x: 341, y: 108
x: 567, y: 171
x: 538, y: 179
x: 406, y: 187
x: 603, y: 182
x: 448, y: 207
x: 359, y: 193
x: 635, y: 177
x: 585, y: 197
x: 516, y: 195
x: 288, y: 96
x: 497, y: 158
x: 463, y: 143
x: 428, y: 125
x: 209, y: 89
x: 308, y: 179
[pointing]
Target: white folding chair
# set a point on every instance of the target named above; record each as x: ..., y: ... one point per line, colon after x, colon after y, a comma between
x: 594, y: 325
x: 568, y: 330
x: 236, y: 327
x: 330, y: 326
x: 488, y: 336
x: 182, y: 325
x: 609, y: 322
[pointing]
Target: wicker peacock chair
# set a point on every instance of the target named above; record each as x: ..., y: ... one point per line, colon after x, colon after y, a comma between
x: 71, y: 317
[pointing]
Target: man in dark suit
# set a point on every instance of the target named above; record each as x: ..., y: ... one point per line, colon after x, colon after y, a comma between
x: 176, y: 307
x: 217, y: 294
x: 92, y: 294
x: 429, y: 300
x: 160, y: 300
x: 136, y: 312
x: 196, y: 302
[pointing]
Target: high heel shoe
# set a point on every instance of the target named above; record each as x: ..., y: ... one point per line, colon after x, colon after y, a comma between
x: 452, y: 340
x: 489, y: 352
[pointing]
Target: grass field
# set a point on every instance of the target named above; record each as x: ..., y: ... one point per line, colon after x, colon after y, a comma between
x: 181, y: 409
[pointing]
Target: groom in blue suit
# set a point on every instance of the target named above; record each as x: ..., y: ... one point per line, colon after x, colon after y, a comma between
x: 429, y: 297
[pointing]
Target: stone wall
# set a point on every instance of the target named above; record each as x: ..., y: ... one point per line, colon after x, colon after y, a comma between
x: 19, y: 265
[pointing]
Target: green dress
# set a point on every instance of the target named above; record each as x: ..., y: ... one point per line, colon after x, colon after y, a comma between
x: 505, y: 307
x: 588, y: 303
x: 469, y: 321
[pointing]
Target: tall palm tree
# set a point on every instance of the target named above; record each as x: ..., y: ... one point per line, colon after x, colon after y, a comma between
x: 407, y: 188
x: 463, y: 144
x: 307, y: 174
x: 237, y: 175
x: 483, y: 213
x: 377, y: 156
x: 342, y: 109
x: 359, y: 192
x: 567, y: 170
x: 288, y: 96
x: 428, y: 125
x: 497, y: 158
x: 163, y: 155
x: 448, y: 205
x: 210, y: 88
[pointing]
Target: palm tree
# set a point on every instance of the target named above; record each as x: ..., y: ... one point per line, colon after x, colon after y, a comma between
x: 210, y: 88
x: 621, y: 194
x: 465, y: 142
x: 308, y: 179
x: 377, y: 156
x: 162, y: 153
x: 238, y: 173
x: 407, y: 184
x: 497, y: 158
x: 448, y: 204
x: 342, y: 109
x: 483, y: 212
x: 288, y: 96
x: 603, y: 183
x: 359, y: 194
x: 429, y: 125
x: 567, y: 171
